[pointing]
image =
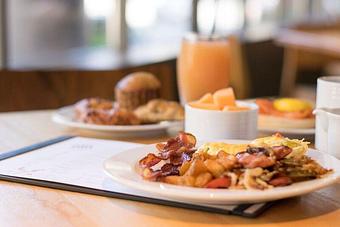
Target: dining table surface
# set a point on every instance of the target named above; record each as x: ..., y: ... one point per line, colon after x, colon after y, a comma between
x: 26, y: 205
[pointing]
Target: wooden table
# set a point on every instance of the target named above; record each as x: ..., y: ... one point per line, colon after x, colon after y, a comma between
x: 24, y: 205
x: 323, y: 43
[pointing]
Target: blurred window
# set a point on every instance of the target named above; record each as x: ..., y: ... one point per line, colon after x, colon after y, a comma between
x: 262, y: 12
x: 227, y: 14
x: 157, y: 22
x: 105, y: 33
x: 55, y: 33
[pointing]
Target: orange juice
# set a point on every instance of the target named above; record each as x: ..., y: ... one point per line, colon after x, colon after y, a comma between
x: 202, y: 67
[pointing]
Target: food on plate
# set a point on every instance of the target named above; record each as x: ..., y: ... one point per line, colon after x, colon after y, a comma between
x: 137, y: 89
x: 299, y: 147
x: 103, y: 112
x: 264, y: 163
x: 137, y: 102
x: 285, y: 113
x: 158, y: 110
x: 223, y: 99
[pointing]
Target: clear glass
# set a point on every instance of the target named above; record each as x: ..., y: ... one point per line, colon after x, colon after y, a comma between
x: 203, y: 66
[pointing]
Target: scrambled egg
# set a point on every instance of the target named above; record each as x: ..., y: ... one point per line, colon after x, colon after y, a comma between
x: 214, y: 147
x: 291, y: 105
x: 299, y: 147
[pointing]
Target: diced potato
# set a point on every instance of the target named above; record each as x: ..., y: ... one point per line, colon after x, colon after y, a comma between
x: 188, y: 180
x: 215, y: 168
x: 184, y: 168
x: 203, y: 179
x: 173, y: 180
x: 197, y: 167
x: 226, y: 160
x: 180, y: 180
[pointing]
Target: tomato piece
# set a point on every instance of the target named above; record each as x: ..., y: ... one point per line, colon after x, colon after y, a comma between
x: 222, y: 182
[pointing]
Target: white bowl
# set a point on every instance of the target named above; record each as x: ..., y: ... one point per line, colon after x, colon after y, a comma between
x: 217, y: 124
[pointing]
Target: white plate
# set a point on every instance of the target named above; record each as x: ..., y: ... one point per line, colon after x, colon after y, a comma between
x: 65, y: 116
x: 289, y: 131
x: 122, y: 168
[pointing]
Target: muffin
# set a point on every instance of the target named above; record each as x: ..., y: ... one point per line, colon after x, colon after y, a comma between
x: 137, y: 89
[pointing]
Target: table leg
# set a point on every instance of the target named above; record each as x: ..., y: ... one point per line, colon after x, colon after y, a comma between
x: 289, y: 71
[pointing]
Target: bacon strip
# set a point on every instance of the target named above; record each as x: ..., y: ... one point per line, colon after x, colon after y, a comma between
x: 149, y: 161
x: 177, y: 150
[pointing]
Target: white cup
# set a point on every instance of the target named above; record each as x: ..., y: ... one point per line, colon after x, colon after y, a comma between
x: 328, y: 96
x: 329, y: 120
x: 217, y: 124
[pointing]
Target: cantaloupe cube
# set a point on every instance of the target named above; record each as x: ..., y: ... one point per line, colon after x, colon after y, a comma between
x: 207, y: 98
x: 224, y: 97
x: 206, y: 106
x: 235, y: 108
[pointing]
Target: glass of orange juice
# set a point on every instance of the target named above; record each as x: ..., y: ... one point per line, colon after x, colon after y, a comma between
x: 203, y: 66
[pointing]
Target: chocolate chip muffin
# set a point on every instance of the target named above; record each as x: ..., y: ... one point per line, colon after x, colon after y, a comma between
x: 137, y: 89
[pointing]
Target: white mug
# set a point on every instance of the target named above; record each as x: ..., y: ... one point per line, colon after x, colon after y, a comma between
x: 330, y: 125
x: 328, y: 96
x: 217, y: 124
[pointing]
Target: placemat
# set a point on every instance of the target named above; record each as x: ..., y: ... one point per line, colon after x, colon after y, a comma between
x: 76, y: 164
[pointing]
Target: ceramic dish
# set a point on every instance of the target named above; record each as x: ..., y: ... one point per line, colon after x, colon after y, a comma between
x: 123, y: 168
x: 65, y: 116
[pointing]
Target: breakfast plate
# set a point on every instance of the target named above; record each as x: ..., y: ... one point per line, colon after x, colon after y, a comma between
x: 65, y: 116
x: 123, y: 168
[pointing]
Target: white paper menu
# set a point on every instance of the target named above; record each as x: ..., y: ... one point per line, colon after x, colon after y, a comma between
x: 79, y: 161
x: 76, y: 161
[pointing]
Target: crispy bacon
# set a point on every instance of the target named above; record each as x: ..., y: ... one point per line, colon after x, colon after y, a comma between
x: 150, y: 174
x: 177, y: 150
x: 169, y: 169
x: 149, y: 161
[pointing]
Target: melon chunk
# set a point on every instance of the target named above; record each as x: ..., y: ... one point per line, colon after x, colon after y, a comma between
x: 235, y: 108
x: 207, y: 98
x: 224, y: 97
x: 206, y: 106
